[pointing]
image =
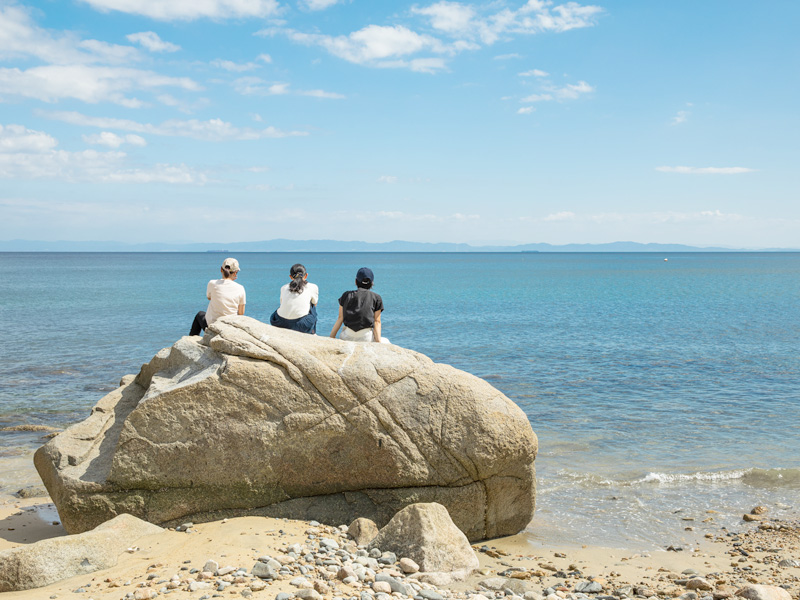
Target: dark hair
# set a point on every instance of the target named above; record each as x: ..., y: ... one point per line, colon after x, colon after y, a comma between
x: 297, y: 273
x: 365, y: 283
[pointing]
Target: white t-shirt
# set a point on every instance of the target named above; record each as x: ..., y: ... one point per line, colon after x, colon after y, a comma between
x: 293, y: 305
x: 225, y: 295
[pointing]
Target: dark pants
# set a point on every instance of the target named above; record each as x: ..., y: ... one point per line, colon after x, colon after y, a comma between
x: 307, y: 324
x: 199, y: 324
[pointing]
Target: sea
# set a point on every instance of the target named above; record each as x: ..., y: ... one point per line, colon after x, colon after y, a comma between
x: 664, y: 388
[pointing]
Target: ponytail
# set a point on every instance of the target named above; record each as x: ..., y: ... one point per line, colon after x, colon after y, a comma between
x: 298, y: 283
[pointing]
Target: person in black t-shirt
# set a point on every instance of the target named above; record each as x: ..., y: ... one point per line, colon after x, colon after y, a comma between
x: 360, y: 311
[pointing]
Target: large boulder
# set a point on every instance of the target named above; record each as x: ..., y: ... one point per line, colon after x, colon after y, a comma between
x: 255, y: 420
x: 48, y: 561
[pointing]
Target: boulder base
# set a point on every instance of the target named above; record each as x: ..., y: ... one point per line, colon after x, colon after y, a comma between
x: 255, y: 420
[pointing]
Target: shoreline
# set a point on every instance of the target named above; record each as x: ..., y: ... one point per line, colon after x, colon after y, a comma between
x: 726, y: 559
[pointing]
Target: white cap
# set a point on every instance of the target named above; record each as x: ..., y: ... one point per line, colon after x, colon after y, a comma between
x: 231, y: 265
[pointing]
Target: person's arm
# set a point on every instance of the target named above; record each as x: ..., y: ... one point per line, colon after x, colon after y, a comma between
x: 242, y: 303
x: 241, y: 309
x: 338, y: 323
x: 376, y: 327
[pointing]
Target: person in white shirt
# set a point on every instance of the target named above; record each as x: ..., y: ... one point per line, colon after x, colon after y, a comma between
x: 226, y: 297
x: 298, y: 309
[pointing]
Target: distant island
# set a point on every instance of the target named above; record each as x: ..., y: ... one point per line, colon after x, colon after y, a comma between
x: 283, y: 245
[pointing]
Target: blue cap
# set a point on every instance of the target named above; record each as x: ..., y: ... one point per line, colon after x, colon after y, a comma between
x: 364, y: 273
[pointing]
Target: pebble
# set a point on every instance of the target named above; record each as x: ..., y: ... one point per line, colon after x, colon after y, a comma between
x: 408, y: 566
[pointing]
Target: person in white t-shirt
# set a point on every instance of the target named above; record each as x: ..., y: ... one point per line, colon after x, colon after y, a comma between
x: 226, y: 297
x: 298, y: 309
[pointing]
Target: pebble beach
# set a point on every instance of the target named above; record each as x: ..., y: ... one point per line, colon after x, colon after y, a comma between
x: 281, y: 559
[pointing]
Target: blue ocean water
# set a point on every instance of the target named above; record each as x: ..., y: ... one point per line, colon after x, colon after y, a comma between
x: 659, y: 389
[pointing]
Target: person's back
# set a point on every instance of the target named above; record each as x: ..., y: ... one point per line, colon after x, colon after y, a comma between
x: 298, y: 308
x: 225, y: 297
x: 360, y: 311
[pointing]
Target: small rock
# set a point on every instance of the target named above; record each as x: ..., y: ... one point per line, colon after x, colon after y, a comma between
x: 589, y: 587
x: 698, y: 583
x: 308, y: 594
x: 759, y: 510
x: 408, y: 566
x: 430, y: 595
x: 381, y: 587
x: 752, y: 517
x: 211, y: 566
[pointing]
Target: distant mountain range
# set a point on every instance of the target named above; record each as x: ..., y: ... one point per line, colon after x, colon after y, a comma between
x: 337, y: 246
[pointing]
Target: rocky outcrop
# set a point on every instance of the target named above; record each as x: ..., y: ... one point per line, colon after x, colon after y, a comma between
x: 426, y: 534
x: 48, y: 561
x: 255, y: 420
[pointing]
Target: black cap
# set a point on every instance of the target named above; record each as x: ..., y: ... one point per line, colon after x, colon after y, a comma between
x: 364, y: 273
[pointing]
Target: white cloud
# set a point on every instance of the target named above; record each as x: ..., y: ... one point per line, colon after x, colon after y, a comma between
x: 507, y: 56
x: 390, y: 179
x: 535, y: 16
x: 90, y: 166
x: 681, y: 117
x: 213, y: 130
x: 233, y: 67
x: 322, y: 94
x: 534, y: 73
x: 706, y: 170
x: 188, y: 10
x: 90, y: 84
x: 381, y: 46
x: 21, y: 37
x: 449, y: 17
x: 374, y: 42
x: 571, y: 91
x: 319, y: 4
x: 16, y: 138
x: 151, y: 41
x: 112, y: 140
x: 526, y: 110
x: 393, y: 46
x: 264, y: 58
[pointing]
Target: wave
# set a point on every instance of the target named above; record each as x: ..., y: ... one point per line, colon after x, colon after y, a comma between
x: 752, y: 477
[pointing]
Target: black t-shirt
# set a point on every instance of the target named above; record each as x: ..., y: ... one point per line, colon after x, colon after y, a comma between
x: 359, y: 308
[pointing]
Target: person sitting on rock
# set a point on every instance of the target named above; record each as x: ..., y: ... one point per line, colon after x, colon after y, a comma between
x: 298, y: 309
x: 226, y: 297
x: 360, y: 311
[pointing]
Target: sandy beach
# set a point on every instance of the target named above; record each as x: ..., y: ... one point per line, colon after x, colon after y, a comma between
x: 764, y: 552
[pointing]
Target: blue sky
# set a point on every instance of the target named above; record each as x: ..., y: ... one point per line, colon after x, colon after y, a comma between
x: 507, y: 121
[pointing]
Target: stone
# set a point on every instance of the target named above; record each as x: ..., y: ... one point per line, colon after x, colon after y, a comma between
x: 308, y: 594
x: 257, y: 420
x: 362, y: 530
x: 426, y: 534
x: 430, y: 595
x: 211, y: 566
x: 752, y: 517
x: 264, y: 571
x: 698, y: 583
x: 589, y: 587
x: 394, y: 585
x: 759, y: 510
x: 381, y: 586
x: 408, y: 566
x: 494, y: 584
x: 763, y: 592
x: 47, y: 561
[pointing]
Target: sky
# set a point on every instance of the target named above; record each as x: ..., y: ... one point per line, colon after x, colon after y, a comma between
x: 497, y: 122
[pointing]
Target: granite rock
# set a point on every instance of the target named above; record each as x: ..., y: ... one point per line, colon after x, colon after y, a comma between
x: 255, y: 420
